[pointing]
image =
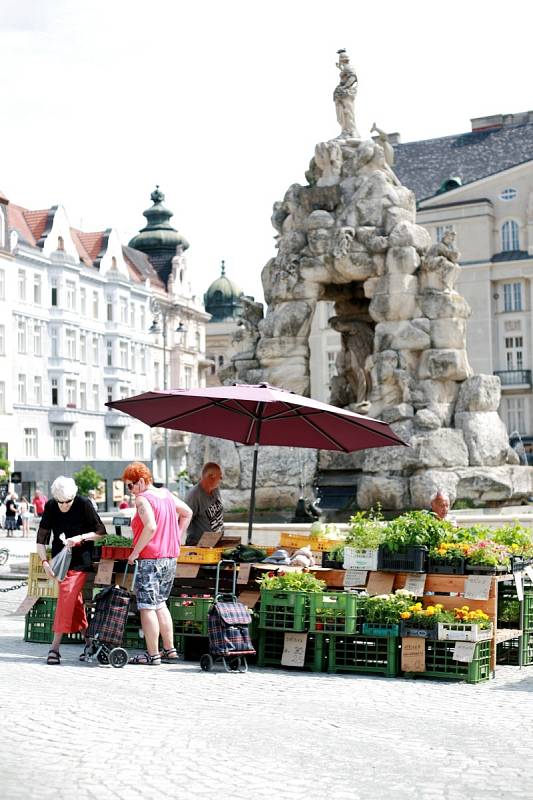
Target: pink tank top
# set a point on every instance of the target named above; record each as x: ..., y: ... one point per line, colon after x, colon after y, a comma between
x: 165, y: 543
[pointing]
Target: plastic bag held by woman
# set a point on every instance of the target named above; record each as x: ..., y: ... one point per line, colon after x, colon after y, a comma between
x: 61, y: 562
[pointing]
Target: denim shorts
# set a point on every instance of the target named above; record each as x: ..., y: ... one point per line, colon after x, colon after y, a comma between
x: 155, y: 577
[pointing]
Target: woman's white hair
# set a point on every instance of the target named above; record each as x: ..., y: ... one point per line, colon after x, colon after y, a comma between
x: 64, y: 488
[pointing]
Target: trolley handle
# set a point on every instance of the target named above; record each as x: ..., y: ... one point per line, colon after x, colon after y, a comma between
x: 217, y: 584
x: 134, y: 575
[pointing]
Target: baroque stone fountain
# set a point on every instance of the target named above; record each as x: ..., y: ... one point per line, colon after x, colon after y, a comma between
x: 349, y: 236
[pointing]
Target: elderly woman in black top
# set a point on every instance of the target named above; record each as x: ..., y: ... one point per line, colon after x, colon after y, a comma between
x: 74, y: 516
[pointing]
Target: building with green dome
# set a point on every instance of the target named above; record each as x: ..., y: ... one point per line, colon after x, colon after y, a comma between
x: 223, y: 298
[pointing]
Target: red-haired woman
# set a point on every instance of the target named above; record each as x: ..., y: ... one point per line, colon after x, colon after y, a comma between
x: 159, y: 526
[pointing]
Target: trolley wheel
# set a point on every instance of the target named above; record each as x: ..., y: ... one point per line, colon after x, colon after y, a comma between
x: 243, y: 666
x: 4, y: 555
x: 118, y: 657
x: 206, y: 663
x: 102, y: 656
x: 234, y: 664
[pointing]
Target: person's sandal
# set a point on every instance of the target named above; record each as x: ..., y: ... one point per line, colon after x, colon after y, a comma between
x: 53, y: 657
x: 146, y: 658
x: 168, y: 656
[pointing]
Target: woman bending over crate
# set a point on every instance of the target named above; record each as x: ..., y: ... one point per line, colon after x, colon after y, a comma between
x: 66, y: 512
x: 159, y: 526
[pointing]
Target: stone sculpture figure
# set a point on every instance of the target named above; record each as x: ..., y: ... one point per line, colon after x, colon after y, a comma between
x: 328, y: 158
x: 344, y: 97
x: 383, y: 139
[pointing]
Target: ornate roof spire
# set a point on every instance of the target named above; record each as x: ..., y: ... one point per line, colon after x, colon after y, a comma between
x: 223, y: 268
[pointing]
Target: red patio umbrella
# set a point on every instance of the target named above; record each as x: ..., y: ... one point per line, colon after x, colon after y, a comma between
x: 258, y: 415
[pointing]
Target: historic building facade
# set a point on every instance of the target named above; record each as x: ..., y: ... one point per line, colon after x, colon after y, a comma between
x: 479, y: 185
x: 77, y: 330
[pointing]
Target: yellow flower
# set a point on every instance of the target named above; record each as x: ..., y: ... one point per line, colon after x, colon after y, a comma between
x: 405, y: 615
x: 430, y: 610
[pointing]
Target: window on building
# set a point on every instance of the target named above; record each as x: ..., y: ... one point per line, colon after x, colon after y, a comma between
x: 510, y: 236
x: 37, y: 293
x: 37, y: 390
x: 512, y: 296
x: 156, y: 374
x: 71, y: 393
x: 54, y: 387
x: 115, y: 444
x: 138, y: 445
x: 143, y: 360
x: 109, y: 309
x: 109, y: 352
x: 514, y: 352
x: 37, y: 339
x: 143, y: 318
x: 124, y: 310
x: 440, y: 230
x: 221, y: 361
x: 213, y: 365
x: 331, y: 357
x: 109, y: 390
x: 83, y: 301
x: 2, y: 340
x: 2, y: 397
x: 22, y: 284
x: 96, y: 309
x: 2, y: 285
x: 90, y: 444
x: 132, y: 357
x: 54, y: 342
x: 96, y: 396
x: 83, y: 395
x: 123, y: 392
x: 508, y: 194
x: 123, y: 350
x: 83, y: 348
x: 198, y: 341
x: 30, y: 442
x: 132, y: 314
x: 70, y: 291
x: 21, y: 335
x: 96, y: 355
x: 61, y: 443
x: 188, y: 377
x: 516, y: 416
x: 70, y: 336
x: 21, y: 388
x: 54, y: 293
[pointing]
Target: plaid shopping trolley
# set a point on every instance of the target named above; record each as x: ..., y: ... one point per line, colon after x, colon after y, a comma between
x: 106, y: 629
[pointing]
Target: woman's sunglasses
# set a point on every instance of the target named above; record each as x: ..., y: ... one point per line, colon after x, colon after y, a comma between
x: 65, y: 502
x: 130, y: 485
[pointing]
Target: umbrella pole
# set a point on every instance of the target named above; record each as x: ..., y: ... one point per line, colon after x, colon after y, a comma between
x: 254, y: 472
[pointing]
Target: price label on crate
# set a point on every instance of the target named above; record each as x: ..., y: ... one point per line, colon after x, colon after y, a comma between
x: 413, y: 654
x: 415, y: 584
x: 355, y: 577
x: 464, y: 651
x: 519, y: 583
x: 105, y: 572
x: 243, y: 576
x: 26, y: 605
x: 294, y: 645
x: 380, y: 583
x: 477, y: 587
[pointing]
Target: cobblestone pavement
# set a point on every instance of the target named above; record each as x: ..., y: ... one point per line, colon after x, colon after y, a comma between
x: 87, y: 731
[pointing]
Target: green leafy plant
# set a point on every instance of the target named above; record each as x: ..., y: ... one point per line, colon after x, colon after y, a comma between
x: 366, y: 532
x: 415, y: 528
x: 292, y: 581
x: 516, y: 538
x: 4, y: 462
x: 509, y: 611
x: 87, y: 478
x: 487, y: 553
x: 386, y: 608
x: 114, y: 541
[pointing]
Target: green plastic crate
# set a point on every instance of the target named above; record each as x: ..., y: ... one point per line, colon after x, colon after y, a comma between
x: 283, y: 610
x: 39, y: 622
x: 38, y: 630
x: 270, y: 650
x: 381, y: 629
x: 528, y: 611
x: 189, y: 615
x: 376, y: 654
x: 441, y: 664
x: 334, y: 612
x: 507, y: 652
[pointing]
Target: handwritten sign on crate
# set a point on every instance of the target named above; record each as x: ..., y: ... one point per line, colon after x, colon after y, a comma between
x: 413, y: 654
x: 380, y: 583
x: 477, y: 587
x: 104, y: 573
x: 415, y: 584
x: 294, y: 645
x: 355, y: 577
x: 464, y: 651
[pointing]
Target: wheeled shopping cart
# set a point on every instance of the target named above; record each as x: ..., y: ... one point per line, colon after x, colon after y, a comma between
x: 106, y: 629
x: 227, y: 628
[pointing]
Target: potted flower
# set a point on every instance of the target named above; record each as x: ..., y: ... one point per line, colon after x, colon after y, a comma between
x: 509, y: 612
x: 363, y: 539
x: 408, y: 538
x: 422, y: 622
x: 382, y: 613
x: 487, y: 556
x: 519, y: 542
x: 466, y: 626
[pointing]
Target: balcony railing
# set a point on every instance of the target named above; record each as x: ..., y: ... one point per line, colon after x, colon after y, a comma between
x: 514, y: 377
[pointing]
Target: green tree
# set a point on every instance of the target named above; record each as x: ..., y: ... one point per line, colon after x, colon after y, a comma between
x: 4, y: 463
x: 87, y: 478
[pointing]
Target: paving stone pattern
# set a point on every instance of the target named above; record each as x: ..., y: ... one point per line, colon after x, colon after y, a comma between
x: 87, y: 731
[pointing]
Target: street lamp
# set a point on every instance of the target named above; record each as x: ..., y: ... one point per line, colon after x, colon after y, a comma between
x: 163, y: 313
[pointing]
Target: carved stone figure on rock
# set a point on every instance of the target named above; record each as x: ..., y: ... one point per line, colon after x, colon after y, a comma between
x: 344, y: 97
x: 439, y: 268
x: 328, y: 159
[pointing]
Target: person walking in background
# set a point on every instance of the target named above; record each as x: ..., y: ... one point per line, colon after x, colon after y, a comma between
x: 25, y: 515
x: 206, y: 504
x: 74, y: 516
x: 11, y: 513
x: 159, y: 526
x: 39, y: 501
x: 91, y: 494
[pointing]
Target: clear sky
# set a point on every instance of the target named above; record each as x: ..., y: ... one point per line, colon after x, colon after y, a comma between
x: 221, y: 103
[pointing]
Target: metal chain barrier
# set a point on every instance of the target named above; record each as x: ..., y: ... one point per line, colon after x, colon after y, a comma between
x: 13, y: 588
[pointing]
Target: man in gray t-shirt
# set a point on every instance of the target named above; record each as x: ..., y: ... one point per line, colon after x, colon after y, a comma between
x: 204, y: 500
